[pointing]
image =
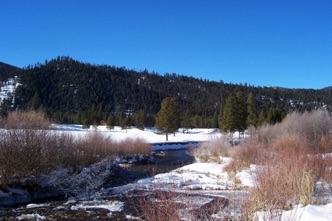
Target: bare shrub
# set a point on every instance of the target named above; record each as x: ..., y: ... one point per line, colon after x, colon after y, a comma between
x: 160, y: 205
x: 27, y: 120
x: 250, y: 152
x: 94, y: 147
x: 29, y: 148
x: 311, y: 125
x: 211, y: 151
x: 326, y: 143
x: 327, y: 174
x: 23, y: 145
x: 267, y: 133
x: 132, y: 147
x: 290, y: 142
x: 286, y: 180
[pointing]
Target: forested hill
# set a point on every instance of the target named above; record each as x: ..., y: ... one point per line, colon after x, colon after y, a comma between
x: 8, y: 71
x: 71, y: 91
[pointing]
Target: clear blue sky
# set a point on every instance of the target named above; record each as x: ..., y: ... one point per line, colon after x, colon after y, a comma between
x: 285, y: 43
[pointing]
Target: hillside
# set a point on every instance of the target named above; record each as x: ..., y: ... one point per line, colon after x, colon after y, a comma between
x: 8, y: 71
x: 71, y: 92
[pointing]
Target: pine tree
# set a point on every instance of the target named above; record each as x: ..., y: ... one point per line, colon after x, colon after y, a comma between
x: 228, y: 119
x: 234, y: 114
x: 186, y: 122
x: 251, y: 109
x: 275, y: 115
x: 140, y: 119
x: 261, y: 119
x: 34, y: 103
x: 241, y: 112
x: 111, y: 121
x: 168, y: 119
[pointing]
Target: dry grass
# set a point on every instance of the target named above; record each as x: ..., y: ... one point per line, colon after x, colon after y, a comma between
x: 29, y: 148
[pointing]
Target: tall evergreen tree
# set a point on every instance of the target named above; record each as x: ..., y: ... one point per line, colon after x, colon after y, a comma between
x: 140, y: 119
x: 261, y: 119
x: 186, y: 122
x: 168, y: 119
x: 111, y: 121
x: 275, y: 115
x: 241, y: 112
x: 252, y: 111
x: 234, y: 114
x: 228, y: 119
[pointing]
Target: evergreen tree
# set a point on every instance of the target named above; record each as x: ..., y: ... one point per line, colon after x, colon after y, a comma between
x: 234, y: 114
x: 241, y: 112
x: 140, y: 119
x: 275, y: 115
x: 34, y: 103
x: 125, y: 123
x: 168, y: 119
x: 186, y: 121
x: 251, y: 109
x: 261, y: 119
x: 228, y: 119
x: 118, y: 118
x: 214, y: 121
x: 111, y: 121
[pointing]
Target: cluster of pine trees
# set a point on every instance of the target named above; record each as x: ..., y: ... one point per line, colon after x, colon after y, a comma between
x: 70, y: 91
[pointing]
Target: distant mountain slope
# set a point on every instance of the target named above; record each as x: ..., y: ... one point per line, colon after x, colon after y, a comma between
x: 8, y: 71
x: 70, y: 91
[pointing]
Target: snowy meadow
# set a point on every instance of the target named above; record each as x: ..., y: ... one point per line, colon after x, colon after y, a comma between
x: 277, y: 172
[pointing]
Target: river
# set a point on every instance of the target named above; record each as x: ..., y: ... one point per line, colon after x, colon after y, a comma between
x: 62, y: 208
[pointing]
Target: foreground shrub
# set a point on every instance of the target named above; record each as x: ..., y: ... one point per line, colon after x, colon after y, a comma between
x: 28, y: 148
x: 23, y: 145
x: 250, y: 152
x: 310, y: 125
x: 160, y: 205
x: 285, y: 181
x: 27, y: 120
x: 289, y: 142
x: 212, y: 151
x: 326, y: 143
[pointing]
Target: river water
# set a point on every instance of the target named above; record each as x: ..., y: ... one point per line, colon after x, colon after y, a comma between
x: 62, y: 208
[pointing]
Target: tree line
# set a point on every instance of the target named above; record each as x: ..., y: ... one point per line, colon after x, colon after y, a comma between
x: 69, y: 91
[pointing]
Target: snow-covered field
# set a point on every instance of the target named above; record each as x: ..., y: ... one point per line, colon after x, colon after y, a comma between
x: 194, y: 177
x: 148, y: 134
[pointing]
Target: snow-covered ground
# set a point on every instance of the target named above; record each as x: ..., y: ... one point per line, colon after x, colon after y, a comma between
x: 7, y: 89
x: 208, y: 177
x: 148, y: 134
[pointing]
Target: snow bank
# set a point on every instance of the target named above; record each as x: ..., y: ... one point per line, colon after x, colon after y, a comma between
x: 197, y: 176
x: 247, y: 176
x: 307, y: 213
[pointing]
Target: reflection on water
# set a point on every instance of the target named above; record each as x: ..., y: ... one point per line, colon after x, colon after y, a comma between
x: 161, y: 162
